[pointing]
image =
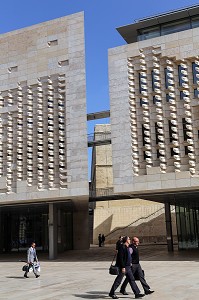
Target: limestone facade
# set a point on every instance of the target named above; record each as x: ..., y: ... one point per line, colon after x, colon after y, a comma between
x: 43, y: 130
x: 155, y: 113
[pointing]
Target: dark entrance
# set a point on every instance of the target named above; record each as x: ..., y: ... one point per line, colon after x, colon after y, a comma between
x: 187, y: 219
x: 21, y: 224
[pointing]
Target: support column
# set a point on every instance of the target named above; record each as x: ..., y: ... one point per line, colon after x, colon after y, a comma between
x: 1, y: 231
x: 168, y: 227
x: 52, y: 224
x: 81, y: 225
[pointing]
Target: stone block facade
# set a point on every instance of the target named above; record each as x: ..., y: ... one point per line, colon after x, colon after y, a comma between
x: 154, y: 113
x: 43, y: 145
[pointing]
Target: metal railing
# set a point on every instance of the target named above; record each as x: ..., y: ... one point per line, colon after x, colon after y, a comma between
x: 99, y: 192
x: 142, y: 219
x: 99, y: 136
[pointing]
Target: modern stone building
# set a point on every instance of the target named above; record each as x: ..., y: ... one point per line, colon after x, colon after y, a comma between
x: 154, y: 87
x: 142, y: 218
x: 43, y: 137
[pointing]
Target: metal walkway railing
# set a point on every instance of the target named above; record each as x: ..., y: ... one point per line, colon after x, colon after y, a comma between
x: 93, y: 193
x: 99, y: 138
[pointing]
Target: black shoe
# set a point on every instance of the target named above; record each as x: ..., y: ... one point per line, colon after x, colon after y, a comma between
x: 37, y: 276
x: 26, y: 276
x: 148, y: 292
x: 124, y: 293
x: 113, y: 296
x: 139, y: 295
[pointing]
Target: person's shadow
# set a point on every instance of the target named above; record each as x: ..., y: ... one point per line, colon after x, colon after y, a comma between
x: 15, y: 277
x: 93, y: 295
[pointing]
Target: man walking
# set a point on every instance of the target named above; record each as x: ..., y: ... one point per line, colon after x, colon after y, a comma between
x: 124, y: 263
x: 31, y: 258
x: 100, y: 240
x: 136, y: 267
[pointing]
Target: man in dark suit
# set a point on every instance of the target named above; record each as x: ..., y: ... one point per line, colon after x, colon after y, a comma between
x: 123, y: 261
x: 136, y: 268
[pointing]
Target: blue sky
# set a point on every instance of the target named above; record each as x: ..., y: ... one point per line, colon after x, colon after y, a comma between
x: 101, y: 19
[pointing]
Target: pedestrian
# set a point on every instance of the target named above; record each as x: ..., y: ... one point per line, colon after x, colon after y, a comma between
x: 136, y: 267
x: 103, y: 239
x: 100, y: 240
x: 31, y: 258
x: 118, y: 243
x: 123, y: 261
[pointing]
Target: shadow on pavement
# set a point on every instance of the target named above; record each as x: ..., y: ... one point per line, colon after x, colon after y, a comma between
x: 92, y: 295
x: 15, y: 277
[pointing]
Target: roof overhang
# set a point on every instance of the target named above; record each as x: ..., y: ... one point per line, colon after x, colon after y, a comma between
x: 129, y: 32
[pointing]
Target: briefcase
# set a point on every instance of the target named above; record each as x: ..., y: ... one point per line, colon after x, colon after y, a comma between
x: 25, y: 268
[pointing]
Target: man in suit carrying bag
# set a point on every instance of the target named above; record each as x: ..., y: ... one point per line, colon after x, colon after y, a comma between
x: 136, y: 268
x: 124, y: 263
x: 31, y: 258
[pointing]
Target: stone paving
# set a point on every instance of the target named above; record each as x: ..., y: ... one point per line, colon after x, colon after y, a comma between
x: 84, y: 275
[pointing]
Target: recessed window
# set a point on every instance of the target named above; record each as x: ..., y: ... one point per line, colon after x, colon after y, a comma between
x: 186, y: 150
x: 142, y: 83
x: 148, y: 33
x: 145, y: 155
x: 13, y: 69
x: 63, y: 63
x: 195, y: 21
x: 182, y: 95
x: 184, y: 123
x: 52, y: 43
x: 155, y: 100
x: 180, y: 75
x: 175, y: 26
x: 172, y: 152
x: 142, y: 102
x: 196, y: 93
x: 157, y: 134
x: 154, y: 80
x: 168, y: 98
x: 166, y: 72
x: 143, y: 135
x: 195, y: 72
x: 170, y: 131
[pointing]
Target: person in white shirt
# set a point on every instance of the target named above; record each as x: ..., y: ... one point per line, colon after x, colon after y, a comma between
x: 31, y: 259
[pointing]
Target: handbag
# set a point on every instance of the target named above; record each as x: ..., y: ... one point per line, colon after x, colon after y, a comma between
x: 114, y: 269
x: 37, y: 266
x: 25, y: 268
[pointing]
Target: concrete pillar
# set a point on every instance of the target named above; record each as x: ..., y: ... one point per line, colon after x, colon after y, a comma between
x: 52, y: 224
x: 81, y: 225
x: 168, y: 227
x: 1, y: 231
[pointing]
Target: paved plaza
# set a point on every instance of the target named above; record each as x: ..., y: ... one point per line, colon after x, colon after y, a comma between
x: 84, y: 275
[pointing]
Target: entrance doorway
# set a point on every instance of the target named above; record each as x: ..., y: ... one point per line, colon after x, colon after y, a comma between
x: 187, y: 219
x: 20, y: 225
